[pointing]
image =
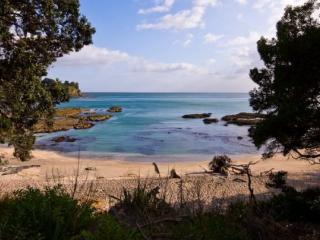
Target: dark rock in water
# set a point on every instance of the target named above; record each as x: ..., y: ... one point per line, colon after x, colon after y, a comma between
x: 63, y: 139
x: 98, y: 117
x: 244, y: 118
x: 210, y: 120
x: 83, y: 125
x: 115, y: 109
x: 197, y: 115
x: 239, y: 138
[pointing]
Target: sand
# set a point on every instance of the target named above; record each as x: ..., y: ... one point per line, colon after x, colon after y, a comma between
x: 111, y: 175
x: 51, y: 161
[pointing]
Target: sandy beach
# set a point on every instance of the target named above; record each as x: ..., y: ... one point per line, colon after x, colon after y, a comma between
x: 47, y: 162
x: 110, y: 176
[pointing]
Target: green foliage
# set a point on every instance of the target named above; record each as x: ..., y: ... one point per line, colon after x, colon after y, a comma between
x: 208, y: 227
x: 33, y: 34
x: 277, y: 180
x: 143, y: 201
x: 52, y: 214
x: 289, y: 85
x: 107, y: 228
x: 58, y: 90
x: 294, y: 206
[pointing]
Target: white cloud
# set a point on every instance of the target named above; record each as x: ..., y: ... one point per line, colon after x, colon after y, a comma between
x: 240, y: 16
x: 188, y: 40
x: 147, y: 66
x: 247, y: 40
x: 212, y: 61
x: 184, y: 19
x: 242, y: 51
x: 164, y: 7
x: 211, y: 38
x: 241, y: 57
x: 92, y: 56
x: 242, y: 1
x: 275, y: 10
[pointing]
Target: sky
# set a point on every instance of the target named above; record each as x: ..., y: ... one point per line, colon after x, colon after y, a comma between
x: 171, y: 45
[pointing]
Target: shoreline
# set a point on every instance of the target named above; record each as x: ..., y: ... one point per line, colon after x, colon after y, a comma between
x: 119, y: 167
x: 100, y: 179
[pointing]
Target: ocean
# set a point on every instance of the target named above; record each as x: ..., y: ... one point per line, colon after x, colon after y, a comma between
x: 151, y: 127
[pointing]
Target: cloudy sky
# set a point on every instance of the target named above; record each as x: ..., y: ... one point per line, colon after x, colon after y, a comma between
x: 171, y: 45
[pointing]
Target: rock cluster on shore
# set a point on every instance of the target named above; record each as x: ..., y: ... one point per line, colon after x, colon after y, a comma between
x: 240, y: 119
x: 99, y: 117
x: 244, y: 118
x: 115, y: 109
x: 71, y: 118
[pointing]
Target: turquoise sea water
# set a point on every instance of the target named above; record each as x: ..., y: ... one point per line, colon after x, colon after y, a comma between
x: 151, y: 126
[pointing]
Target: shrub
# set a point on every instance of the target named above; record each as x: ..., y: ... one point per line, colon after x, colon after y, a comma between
x: 294, y: 206
x: 207, y: 227
x: 220, y: 164
x: 277, y: 180
x: 107, y: 228
x: 142, y: 201
x: 51, y: 214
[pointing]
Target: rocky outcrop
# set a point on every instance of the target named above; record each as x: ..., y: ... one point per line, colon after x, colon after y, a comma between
x: 63, y: 139
x: 196, y: 115
x: 83, y: 124
x: 115, y: 109
x: 69, y: 112
x: 98, y: 117
x: 70, y: 118
x: 58, y: 124
x: 210, y: 120
x: 244, y: 118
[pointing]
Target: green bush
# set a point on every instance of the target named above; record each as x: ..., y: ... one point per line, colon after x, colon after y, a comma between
x: 294, y: 206
x: 107, y: 228
x: 277, y: 180
x: 51, y: 214
x: 142, y: 201
x: 208, y: 227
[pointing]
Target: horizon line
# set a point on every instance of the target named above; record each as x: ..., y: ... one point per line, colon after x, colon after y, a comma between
x: 153, y: 92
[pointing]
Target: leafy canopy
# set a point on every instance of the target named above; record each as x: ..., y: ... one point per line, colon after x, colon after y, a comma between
x: 33, y: 34
x: 289, y: 85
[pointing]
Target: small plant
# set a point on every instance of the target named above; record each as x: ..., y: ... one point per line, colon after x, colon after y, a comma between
x: 3, y: 161
x: 277, y: 180
x: 220, y: 164
x: 294, y: 206
x: 142, y: 200
x: 174, y: 174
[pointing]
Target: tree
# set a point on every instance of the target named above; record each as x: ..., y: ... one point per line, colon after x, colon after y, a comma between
x: 58, y: 90
x: 289, y: 86
x: 33, y: 34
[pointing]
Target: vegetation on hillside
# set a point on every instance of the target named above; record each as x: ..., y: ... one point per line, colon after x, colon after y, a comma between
x: 61, y: 91
x: 289, y: 86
